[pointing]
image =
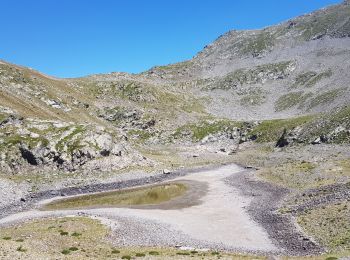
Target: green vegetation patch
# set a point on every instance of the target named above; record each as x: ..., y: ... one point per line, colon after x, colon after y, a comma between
x: 202, y: 129
x: 174, y: 67
x: 31, y: 142
x: 271, y: 130
x: 322, y: 23
x: 72, y: 140
x: 329, y: 225
x: 252, y: 76
x: 327, y: 125
x: 45, y: 239
x: 295, y: 175
x: 325, y: 97
x: 140, y: 135
x: 291, y: 100
x: 46, y: 243
x: 257, y: 44
x: 139, y: 196
x: 3, y: 117
x: 153, y: 252
x: 253, y: 97
x: 310, y: 78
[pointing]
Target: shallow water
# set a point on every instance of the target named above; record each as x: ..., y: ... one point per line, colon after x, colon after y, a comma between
x: 138, y: 196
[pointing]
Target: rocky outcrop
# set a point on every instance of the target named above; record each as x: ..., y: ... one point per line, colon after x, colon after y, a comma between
x: 61, y: 145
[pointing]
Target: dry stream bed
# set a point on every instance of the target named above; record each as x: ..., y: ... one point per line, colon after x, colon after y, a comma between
x: 217, y: 209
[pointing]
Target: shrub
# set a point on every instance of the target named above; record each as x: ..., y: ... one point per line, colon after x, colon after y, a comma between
x: 6, y: 238
x: 115, y: 251
x: 20, y: 240
x: 153, y: 253
x: 183, y: 253
x: 73, y: 248
x: 140, y: 254
x: 21, y: 249
x: 76, y: 234
x: 64, y: 233
x: 126, y: 257
x: 65, y: 251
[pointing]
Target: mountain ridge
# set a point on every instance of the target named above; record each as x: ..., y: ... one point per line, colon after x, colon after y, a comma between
x: 291, y: 71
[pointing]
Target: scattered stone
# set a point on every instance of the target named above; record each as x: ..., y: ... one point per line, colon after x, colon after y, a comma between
x: 166, y: 171
x: 316, y: 141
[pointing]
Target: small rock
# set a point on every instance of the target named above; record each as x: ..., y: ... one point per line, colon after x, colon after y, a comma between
x: 166, y: 171
x: 316, y: 141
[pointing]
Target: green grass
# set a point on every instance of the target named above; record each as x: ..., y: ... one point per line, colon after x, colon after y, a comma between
x: 271, y: 130
x: 15, y: 139
x: 329, y: 225
x: 318, y: 78
x: 310, y: 78
x: 322, y: 23
x: 202, y: 129
x: 153, y: 253
x: 183, y: 253
x: 68, y: 140
x: 65, y: 251
x: 3, y: 117
x: 132, y: 91
x: 64, y: 233
x: 140, y: 135
x: 329, y: 122
x: 139, y: 196
x: 250, y: 76
x: 325, y: 97
x: 303, y: 78
x: 257, y: 44
x: 294, y: 175
x: 21, y: 249
x: 253, y: 99
x: 290, y: 100
x: 174, y: 67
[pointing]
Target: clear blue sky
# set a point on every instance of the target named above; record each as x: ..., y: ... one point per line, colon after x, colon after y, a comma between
x: 70, y: 38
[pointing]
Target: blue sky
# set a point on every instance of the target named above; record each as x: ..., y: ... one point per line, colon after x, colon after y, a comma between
x: 71, y: 38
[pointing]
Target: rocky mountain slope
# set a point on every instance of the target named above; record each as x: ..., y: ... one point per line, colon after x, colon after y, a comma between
x: 286, y: 84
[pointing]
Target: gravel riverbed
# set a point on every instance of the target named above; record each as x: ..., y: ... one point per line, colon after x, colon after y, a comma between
x: 238, y: 213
